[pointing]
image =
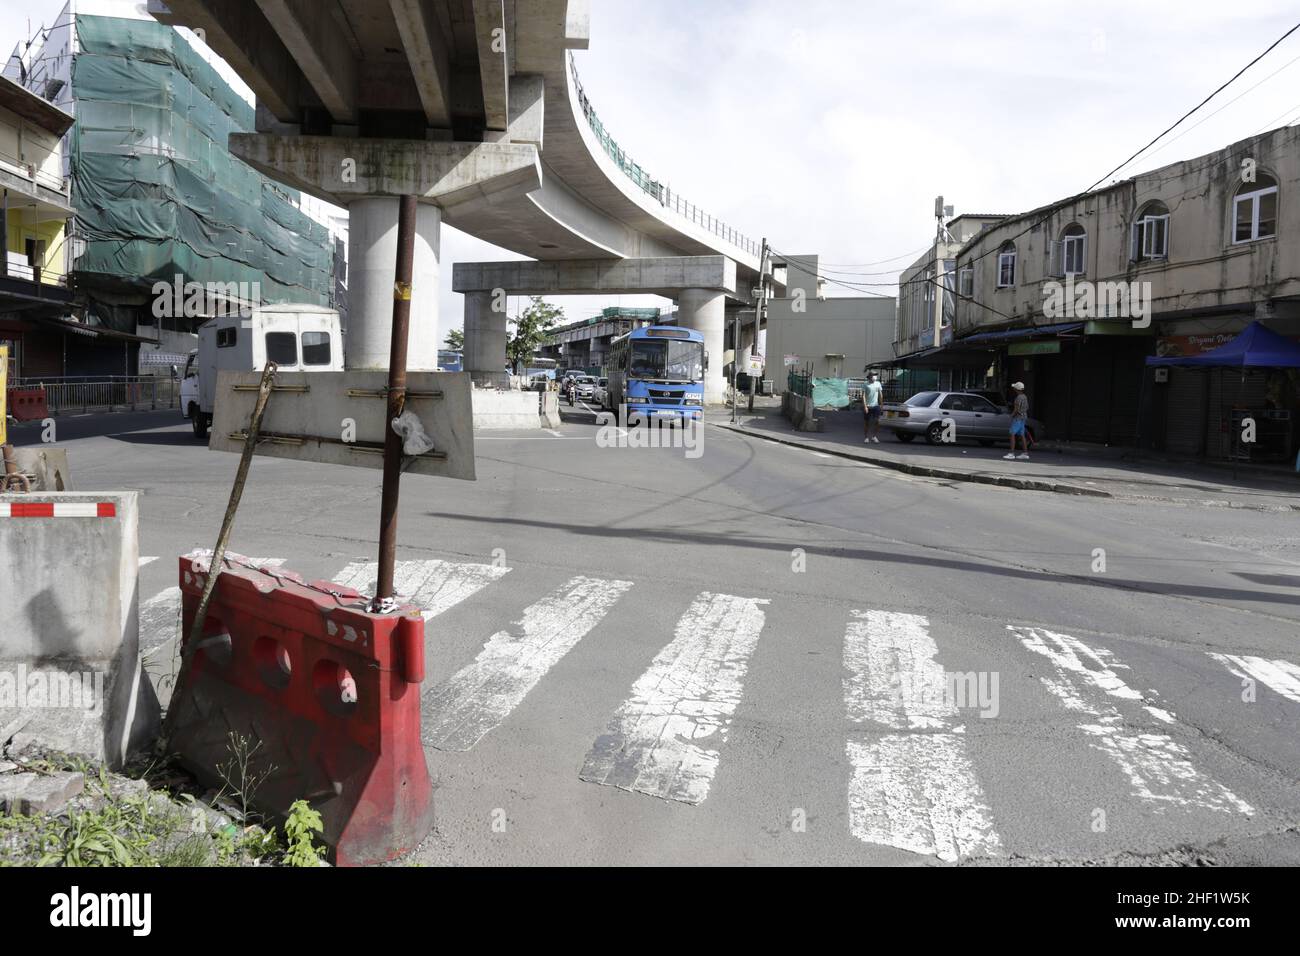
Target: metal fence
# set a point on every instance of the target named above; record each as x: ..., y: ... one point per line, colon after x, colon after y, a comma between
x: 652, y: 187
x: 800, y: 383
x: 66, y: 396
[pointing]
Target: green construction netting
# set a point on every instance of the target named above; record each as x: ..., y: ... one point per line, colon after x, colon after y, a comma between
x: 156, y: 190
x: 830, y: 392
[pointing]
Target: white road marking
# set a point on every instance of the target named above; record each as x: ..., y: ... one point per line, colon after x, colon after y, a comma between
x: 477, y: 698
x: 149, y: 560
x: 818, y: 454
x: 665, y: 739
x: 1159, y: 769
x: 160, y: 615
x: 1282, y: 676
x: 915, y: 790
x: 436, y: 586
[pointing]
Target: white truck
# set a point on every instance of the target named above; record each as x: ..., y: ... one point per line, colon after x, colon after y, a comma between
x: 297, y: 338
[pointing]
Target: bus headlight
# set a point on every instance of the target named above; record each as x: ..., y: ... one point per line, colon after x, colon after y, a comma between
x: 636, y: 400
x: 694, y: 400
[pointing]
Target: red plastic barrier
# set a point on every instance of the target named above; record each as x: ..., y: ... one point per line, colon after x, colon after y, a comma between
x: 329, y: 691
x: 27, y: 404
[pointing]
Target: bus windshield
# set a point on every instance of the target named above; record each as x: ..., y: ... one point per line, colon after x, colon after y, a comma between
x: 675, y: 361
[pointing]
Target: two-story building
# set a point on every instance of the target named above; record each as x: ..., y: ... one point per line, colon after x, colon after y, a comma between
x: 1073, y: 296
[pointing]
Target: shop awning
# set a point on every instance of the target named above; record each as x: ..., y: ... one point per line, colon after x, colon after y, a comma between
x: 1011, y: 335
x: 97, y: 331
x: 1255, y: 347
x: 947, y: 356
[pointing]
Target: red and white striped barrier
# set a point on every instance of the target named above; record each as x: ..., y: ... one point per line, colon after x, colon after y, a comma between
x: 58, y: 509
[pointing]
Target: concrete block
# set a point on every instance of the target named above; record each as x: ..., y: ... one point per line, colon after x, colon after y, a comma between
x: 500, y: 408
x: 550, y: 410
x: 39, y: 793
x: 70, y: 646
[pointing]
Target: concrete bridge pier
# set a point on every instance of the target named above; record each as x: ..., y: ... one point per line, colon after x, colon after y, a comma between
x: 368, y: 176
x: 704, y: 310
x: 372, y: 251
x: 485, y: 340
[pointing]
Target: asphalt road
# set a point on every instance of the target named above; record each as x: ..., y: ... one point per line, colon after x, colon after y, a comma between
x: 746, y: 655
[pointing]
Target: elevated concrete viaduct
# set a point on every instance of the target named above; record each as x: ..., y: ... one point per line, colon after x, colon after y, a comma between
x: 474, y: 106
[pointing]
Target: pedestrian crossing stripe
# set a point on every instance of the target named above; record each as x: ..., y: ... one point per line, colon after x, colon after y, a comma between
x: 1283, y: 677
x: 664, y: 740
x: 914, y: 788
x: 1159, y: 769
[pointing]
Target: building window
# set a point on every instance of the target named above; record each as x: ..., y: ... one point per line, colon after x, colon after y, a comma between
x: 226, y: 337
x: 966, y: 281
x: 1254, y: 210
x: 1069, y: 254
x: 1007, y: 265
x: 1151, y: 233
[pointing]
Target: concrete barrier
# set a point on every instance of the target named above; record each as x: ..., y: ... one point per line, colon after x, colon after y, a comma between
x: 501, y: 408
x: 800, y: 410
x: 70, y: 672
x: 550, y: 409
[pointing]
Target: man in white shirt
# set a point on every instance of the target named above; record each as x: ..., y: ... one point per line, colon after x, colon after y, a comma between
x: 871, y: 409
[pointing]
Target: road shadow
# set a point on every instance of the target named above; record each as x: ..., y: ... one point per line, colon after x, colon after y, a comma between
x: 741, y: 540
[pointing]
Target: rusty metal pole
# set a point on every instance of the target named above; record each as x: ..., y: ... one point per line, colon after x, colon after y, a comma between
x: 396, y: 396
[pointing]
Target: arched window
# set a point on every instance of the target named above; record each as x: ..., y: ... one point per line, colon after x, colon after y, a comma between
x: 1151, y: 232
x: 1254, y: 209
x: 1072, y: 249
x: 1006, y: 264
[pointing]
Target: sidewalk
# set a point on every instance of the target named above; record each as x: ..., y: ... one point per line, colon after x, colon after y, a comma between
x: 1096, y: 471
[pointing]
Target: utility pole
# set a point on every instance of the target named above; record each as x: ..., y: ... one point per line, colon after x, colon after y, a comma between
x: 764, y: 290
x: 735, y: 361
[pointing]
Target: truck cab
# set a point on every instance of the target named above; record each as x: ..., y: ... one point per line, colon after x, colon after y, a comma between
x: 297, y: 338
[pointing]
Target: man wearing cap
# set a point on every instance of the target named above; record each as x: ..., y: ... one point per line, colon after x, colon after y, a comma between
x: 1019, y: 421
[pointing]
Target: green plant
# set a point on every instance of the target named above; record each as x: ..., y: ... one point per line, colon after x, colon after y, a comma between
x: 239, y: 774
x: 301, y: 823
x: 113, y: 836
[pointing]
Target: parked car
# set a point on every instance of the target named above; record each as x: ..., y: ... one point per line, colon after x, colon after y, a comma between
x: 975, y: 418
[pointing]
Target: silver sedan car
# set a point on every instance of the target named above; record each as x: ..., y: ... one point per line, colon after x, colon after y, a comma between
x: 951, y: 417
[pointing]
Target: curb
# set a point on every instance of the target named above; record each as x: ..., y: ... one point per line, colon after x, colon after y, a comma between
x: 925, y: 471
x: 1027, y: 484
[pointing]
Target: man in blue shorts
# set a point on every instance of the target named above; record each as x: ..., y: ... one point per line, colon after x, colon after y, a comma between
x: 1019, y: 422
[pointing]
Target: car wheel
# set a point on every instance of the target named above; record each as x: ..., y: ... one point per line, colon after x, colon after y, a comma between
x: 934, y: 433
x: 199, y: 422
x: 904, y: 436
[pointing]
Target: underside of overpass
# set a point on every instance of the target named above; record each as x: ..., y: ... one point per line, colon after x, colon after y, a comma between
x: 476, y: 108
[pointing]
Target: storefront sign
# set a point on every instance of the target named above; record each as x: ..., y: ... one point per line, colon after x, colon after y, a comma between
x: 1034, y: 348
x: 1177, y: 346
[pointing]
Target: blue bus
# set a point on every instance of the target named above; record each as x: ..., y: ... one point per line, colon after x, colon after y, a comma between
x: 450, y: 360
x: 657, y: 372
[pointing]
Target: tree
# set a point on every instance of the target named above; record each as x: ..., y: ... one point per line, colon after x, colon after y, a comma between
x: 455, y: 340
x: 531, y: 326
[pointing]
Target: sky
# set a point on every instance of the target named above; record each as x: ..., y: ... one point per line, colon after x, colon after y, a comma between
x: 829, y: 126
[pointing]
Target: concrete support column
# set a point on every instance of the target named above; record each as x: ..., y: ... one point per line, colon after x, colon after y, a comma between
x: 703, y: 310
x: 485, y: 341
x: 372, y: 261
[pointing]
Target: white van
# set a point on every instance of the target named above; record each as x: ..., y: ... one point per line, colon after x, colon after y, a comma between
x: 297, y: 338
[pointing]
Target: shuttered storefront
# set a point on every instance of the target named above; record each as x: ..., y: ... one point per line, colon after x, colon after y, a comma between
x: 1184, y: 410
